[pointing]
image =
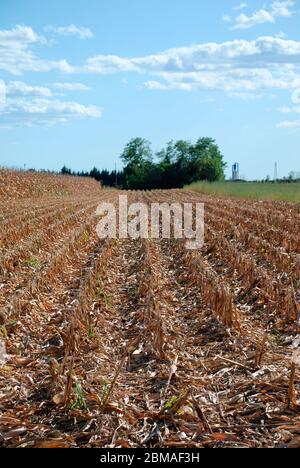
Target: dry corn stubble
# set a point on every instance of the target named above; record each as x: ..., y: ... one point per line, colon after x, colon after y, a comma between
x: 141, y: 343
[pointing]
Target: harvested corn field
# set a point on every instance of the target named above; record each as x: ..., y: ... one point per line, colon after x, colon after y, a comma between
x: 35, y: 185
x: 142, y: 343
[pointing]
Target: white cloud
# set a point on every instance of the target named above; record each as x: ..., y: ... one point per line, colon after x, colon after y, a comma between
x: 243, y: 69
x: 42, y: 111
x: 20, y: 88
x: 19, y: 34
x: 70, y: 86
x: 236, y: 66
x: 17, y: 55
x: 235, y: 80
x: 239, y: 65
x: 269, y: 14
x: 282, y: 8
x: 260, y: 53
x: 71, y: 30
x: 259, y: 17
x: 107, y: 64
x: 46, y: 106
x: 28, y: 105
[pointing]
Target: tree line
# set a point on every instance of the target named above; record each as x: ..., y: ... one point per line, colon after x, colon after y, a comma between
x: 178, y: 164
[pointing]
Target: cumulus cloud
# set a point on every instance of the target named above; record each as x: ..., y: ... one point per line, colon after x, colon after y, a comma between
x: 21, y: 88
x: 239, y: 65
x: 241, y: 68
x: 28, y: 105
x: 19, y: 34
x: 71, y: 30
x: 259, y: 53
x: 46, y: 106
x: 17, y: 53
x: 227, y: 80
x: 209, y: 62
x: 259, y: 17
x: 42, y: 111
x: 267, y: 14
x: 107, y: 64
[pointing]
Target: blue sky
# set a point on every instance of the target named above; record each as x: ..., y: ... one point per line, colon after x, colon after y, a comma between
x: 79, y: 79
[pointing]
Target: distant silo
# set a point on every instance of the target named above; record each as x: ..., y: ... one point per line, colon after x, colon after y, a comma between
x: 236, y: 171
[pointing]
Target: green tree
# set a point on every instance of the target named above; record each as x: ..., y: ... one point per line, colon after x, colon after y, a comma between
x: 137, y: 157
x: 137, y: 152
x: 66, y: 171
x: 207, y: 162
x: 179, y: 163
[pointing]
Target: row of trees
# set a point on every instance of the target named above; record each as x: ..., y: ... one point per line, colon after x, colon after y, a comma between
x: 107, y: 178
x: 179, y: 163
